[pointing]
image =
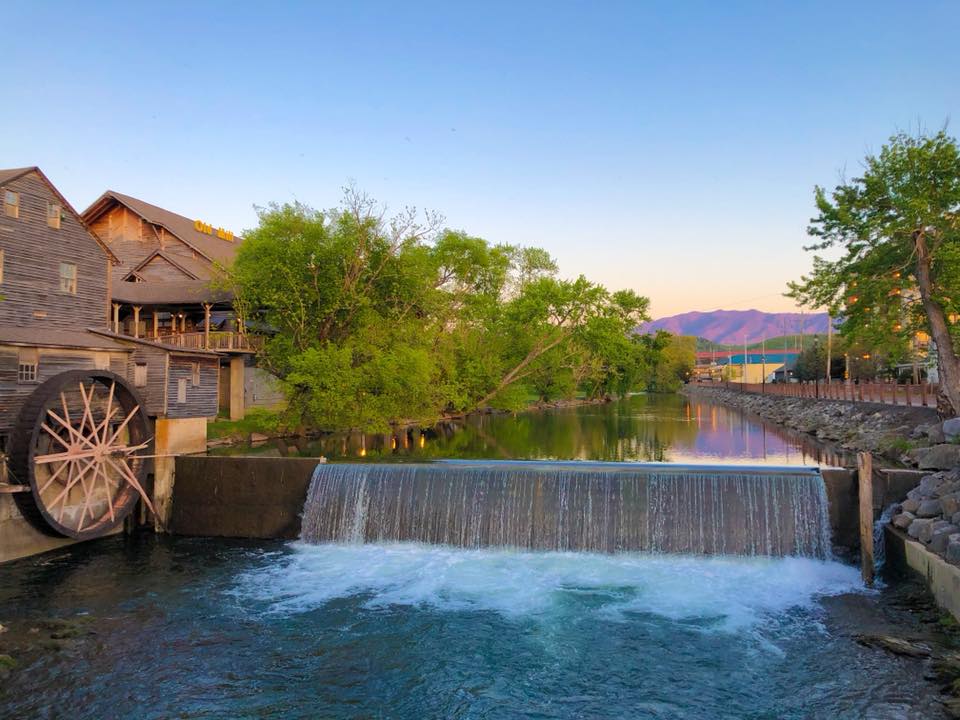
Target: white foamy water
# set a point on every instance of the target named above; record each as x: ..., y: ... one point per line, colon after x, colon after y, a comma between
x: 727, y: 593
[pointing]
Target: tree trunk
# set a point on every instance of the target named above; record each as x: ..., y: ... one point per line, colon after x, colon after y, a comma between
x: 947, y: 361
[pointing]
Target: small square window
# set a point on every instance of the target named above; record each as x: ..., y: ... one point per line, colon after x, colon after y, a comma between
x: 140, y: 375
x: 68, y: 278
x: 26, y: 372
x: 196, y: 374
x: 11, y: 203
x: 53, y: 215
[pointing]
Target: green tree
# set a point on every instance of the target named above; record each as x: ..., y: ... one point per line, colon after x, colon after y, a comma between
x: 895, y: 236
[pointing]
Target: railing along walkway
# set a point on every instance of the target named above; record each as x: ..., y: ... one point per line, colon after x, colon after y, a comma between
x: 922, y: 395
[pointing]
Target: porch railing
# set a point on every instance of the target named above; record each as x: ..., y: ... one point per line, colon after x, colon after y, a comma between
x: 216, y: 340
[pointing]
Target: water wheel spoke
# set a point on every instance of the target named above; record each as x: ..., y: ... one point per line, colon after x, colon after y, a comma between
x: 128, y: 475
x: 123, y: 425
x: 106, y: 430
x: 88, y: 413
x: 55, y: 435
x: 107, y: 491
x: 53, y: 476
x: 70, y: 428
x: 75, y: 475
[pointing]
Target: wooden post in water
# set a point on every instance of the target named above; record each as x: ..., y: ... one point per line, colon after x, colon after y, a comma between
x: 865, y: 472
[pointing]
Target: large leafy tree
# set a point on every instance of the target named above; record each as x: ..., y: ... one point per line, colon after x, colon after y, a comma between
x: 893, y: 242
x: 374, y: 320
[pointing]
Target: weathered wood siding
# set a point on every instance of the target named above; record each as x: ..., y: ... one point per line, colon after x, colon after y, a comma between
x: 201, y: 400
x: 51, y: 361
x: 33, y: 252
x: 133, y: 240
x: 153, y: 394
x: 161, y: 270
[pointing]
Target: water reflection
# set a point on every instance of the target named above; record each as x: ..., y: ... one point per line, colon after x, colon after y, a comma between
x: 644, y: 428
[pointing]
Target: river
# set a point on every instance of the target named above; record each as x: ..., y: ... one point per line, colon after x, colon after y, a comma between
x: 642, y: 428
x: 160, y: 627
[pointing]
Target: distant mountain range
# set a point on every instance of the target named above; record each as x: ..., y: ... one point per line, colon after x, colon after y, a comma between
x: 730, y: 326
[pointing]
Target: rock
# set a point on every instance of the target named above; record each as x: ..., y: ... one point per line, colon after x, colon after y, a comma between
x: 949, y: 504
x: 929, y: 509
x: 951, y: 428
x: 937, y: 457
x: 926, y: 533
x: 258, y: 437
x: 917, y: 526
x: 903, y: 520
x: 897, y: 646
x: 911, y: 505
x: 941, y: 538
x: 935, y: 434
x: 952, y: 553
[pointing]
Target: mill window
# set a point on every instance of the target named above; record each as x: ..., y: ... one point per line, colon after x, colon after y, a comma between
x: 182, y: 390
x: 53, y: 215
x: 11, y: 203
x: 196, y: 374
x: 68, y: 278
x: 27, y: 364
x: 140, y: 375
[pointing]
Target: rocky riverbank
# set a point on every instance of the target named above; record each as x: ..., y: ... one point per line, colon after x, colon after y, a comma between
x: 911, y: 435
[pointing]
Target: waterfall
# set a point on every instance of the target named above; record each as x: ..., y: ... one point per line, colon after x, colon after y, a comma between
x: 573, y: 506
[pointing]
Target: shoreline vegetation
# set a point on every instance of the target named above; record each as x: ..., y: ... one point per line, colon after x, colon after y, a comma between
x: 372, y: 321
x: 261, y: 425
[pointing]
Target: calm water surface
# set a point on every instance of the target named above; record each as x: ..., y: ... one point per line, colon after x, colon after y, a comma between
x: 652, y: 428
x: 150, y: 627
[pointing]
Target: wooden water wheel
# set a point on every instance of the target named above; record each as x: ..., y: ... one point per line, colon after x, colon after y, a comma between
x: 76, y: 445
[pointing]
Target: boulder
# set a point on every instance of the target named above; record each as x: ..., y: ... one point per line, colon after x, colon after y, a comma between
x: 903, y: 520
x: 953, y: 550
x: 951, y: 428
x: 955, y: 518
x: 949, y: 504
x: 935, y: 434
x: 917, y: 526
x: 897, y: 646
x: 937, y: 457
x: 256, y: 437
x: 926, y: 533
x: 910, y: 505
x: 929, y: 508
x: 941, y: 537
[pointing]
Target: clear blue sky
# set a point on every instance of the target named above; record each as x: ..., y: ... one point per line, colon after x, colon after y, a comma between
x: 670, y: 147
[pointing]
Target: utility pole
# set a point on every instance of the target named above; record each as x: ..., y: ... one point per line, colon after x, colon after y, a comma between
x: 744, y: 358
x: 763, y: 365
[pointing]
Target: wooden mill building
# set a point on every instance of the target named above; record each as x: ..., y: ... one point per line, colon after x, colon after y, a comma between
x: 58, y: 314
x: 164, y: 289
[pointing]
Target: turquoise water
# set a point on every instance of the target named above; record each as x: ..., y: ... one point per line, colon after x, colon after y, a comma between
x: 160, y: 628
x: 181, y: 628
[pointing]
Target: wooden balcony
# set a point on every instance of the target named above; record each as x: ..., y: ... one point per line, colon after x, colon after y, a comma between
x: 221, y: 340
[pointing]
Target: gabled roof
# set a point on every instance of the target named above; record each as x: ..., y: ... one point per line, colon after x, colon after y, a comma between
x: 210, y: 246
x: 181, y: 264
x: 7, y: 176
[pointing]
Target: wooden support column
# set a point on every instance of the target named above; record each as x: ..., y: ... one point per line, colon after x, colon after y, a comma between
x: 865, y: 473
x: 183, y: 323
x: 206, y: 326
x: 156, y: 324
x: 136, y: 321
x: 236, y: 388
x: 116, y: 318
